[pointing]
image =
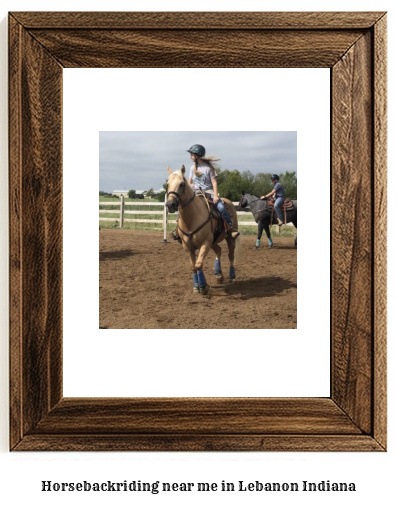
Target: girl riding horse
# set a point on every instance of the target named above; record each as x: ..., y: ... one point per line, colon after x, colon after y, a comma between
x: 202, y: 176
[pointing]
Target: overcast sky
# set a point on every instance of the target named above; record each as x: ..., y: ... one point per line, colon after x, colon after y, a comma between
x: 139, y: 160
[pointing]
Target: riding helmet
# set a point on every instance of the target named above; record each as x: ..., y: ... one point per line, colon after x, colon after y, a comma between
x: 197, y: 149
x: 274, y: 177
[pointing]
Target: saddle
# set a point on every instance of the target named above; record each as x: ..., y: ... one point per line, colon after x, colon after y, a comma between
x: 222, y: 225
x: 286, y: 206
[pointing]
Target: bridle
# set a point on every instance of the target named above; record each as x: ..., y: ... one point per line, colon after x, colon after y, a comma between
x: 178, y: 197
x: 248, y: 204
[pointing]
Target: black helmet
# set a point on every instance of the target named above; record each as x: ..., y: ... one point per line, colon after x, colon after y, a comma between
x: 274, y: 177
x: 197, y: 149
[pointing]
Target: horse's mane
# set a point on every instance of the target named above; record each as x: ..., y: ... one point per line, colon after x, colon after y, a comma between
x: 253, y: 195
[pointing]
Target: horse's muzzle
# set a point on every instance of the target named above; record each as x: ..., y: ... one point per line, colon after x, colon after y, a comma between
x: 172, y: 206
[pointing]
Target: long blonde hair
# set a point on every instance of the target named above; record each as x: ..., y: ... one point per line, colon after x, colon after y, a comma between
x: 210, y: 161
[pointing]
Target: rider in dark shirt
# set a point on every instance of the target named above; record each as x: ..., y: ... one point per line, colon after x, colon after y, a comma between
x: 279, y: 195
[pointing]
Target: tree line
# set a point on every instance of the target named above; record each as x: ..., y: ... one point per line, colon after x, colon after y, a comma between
x: 232, y: 183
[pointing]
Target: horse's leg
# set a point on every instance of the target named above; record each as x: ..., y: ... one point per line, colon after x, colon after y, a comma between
x: 217, y: 267
x: 262, y: 224
x: 192, y: 259
x: 258, y: 239
x: 267, y: 230
x: 202, y: 283
x: 231, y: 246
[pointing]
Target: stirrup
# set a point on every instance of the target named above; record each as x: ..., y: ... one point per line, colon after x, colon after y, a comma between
x: 233, y: 233
x: 174, y: 235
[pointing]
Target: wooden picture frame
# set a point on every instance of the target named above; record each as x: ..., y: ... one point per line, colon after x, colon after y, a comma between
x: 353, y: 46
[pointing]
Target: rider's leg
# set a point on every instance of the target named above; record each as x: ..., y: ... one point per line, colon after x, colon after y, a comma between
x: 277, y: 206
x: 223, y: 211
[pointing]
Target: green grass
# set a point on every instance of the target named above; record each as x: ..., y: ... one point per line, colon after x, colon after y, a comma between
x: 244, y: 229
x: 142, y: 216
x: 134, y: 226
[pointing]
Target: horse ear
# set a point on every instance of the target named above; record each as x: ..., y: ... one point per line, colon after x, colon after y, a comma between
x: 243, y: 193
x: 183, y: 170
x: 169, y: 171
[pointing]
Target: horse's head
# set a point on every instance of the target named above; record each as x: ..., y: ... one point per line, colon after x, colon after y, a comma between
x: 176, y: 185
x: 243, y: 202
x: 249, y: 200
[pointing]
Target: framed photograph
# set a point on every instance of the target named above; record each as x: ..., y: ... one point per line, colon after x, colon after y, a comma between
x: 353, y: 47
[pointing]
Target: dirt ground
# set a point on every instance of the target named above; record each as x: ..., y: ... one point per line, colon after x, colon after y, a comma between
x: 147, y: 284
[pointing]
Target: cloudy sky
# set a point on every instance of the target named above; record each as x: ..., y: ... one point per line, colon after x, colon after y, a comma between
x: 139, y: 160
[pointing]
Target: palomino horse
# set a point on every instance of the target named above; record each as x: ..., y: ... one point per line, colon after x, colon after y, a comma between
x: 263, y: 215
x: 199, y: 229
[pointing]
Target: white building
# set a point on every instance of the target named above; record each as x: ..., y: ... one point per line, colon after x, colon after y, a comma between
x: 139, y: 193
x: 119, y: 193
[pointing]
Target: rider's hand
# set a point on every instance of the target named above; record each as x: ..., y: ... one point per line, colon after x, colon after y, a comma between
x: 263, y: 197
x: 216, y: 199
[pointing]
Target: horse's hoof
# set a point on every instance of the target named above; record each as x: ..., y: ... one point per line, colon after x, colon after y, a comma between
x: 204, y: 290
x: 219, y: 278
x: 231, y: 280
x: 195, y: 290
x: 256, y: 247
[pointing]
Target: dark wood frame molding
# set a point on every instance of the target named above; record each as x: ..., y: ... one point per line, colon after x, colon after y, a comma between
x: 353, y: 46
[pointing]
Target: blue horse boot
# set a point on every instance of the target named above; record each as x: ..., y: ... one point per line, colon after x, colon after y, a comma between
x: 218, y: 270
x: 202, y: 283
x: 195, y: 283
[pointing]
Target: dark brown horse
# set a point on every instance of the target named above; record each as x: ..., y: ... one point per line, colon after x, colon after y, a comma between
x: 263, y: 215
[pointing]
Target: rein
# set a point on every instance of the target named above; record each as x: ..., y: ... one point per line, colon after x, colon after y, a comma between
x: 188, y: 202
x: 178, y: 199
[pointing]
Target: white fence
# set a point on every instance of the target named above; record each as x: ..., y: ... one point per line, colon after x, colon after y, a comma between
x: 123, y: 214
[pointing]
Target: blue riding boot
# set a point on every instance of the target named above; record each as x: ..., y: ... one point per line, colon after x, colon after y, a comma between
x: 224, y: 213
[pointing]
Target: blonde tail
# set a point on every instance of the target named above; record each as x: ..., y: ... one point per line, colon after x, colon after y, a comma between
x: 238, y: 252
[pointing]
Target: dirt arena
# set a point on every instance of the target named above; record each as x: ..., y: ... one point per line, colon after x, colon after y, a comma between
x: 147, y: 284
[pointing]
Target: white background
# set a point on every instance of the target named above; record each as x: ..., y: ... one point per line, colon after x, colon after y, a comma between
x: 21, y: 474
x: 269, y: 362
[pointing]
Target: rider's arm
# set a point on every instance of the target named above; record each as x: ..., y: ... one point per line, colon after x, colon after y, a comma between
x: 269, y: 194
x: 215, y: 187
